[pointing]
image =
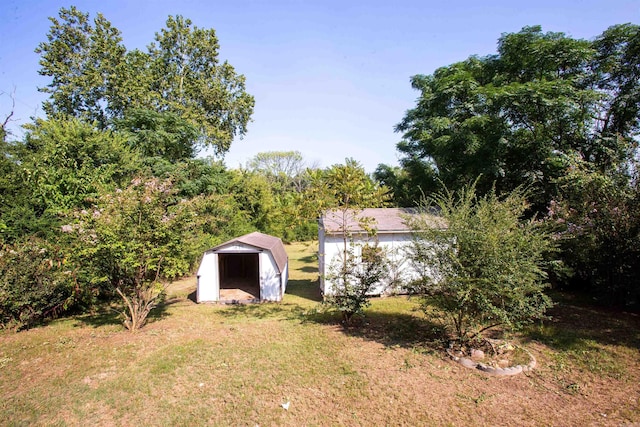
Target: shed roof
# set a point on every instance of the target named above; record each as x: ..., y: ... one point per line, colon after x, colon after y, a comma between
x: 385, y: 220
x: 261, y: 241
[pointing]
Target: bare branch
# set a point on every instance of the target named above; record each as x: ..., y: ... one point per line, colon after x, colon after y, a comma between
x: 8, y: 119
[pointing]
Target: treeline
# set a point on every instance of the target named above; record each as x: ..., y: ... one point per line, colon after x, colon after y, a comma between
x: 105, y: 198
x: 555, y: 115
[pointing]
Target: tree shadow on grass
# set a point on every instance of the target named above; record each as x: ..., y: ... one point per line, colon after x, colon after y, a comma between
x: 306, y: 289
x: 263, y: 310
x: 390, y: 329
x: 160, y: 312
x: 573, y: 323
x: 309, y: 259
x: 110, y: 316
x: 104, y: 317
x: 573, y: 326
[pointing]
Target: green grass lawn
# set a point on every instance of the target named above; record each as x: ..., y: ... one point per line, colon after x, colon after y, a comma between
x: 206, y: 364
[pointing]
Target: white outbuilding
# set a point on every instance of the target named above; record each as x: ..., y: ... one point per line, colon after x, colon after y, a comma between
x: 386, y: 228
x: 249, y: 268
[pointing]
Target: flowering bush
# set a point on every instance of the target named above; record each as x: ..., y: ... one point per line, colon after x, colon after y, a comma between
x: 136, y: 240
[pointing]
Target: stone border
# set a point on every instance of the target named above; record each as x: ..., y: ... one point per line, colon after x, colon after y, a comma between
x: 496, y: 372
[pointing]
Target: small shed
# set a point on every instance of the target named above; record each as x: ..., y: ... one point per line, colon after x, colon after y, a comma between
x: 249, y: 268
x: 392, y: 233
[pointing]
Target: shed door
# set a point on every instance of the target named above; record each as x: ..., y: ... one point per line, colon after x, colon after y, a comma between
x: 240, y: 271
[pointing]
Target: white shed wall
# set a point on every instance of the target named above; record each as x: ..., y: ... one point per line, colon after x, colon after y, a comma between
x: 269, y: 278
x: 284, y: 279
x: 321, y: 256
x: 395, y: 246
x: 208, y: 279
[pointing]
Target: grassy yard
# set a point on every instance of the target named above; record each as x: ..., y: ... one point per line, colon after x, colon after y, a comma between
x: 236, y: 365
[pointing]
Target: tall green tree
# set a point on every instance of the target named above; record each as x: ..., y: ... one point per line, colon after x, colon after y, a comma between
x: 82, y: 58
x: 516, y: 117
x: 94, y: 77
x: 401, y: 181
x: 344, y: 187
x: 195, y: 84
x: 286, y: 170
x: 276, y: 163
x: 254, y: 196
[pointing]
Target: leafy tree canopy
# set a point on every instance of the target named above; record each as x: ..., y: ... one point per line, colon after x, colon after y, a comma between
x: 285, y: 170
x: 343, y: 187
x: 66, y: 161
x: 518, y: 116
x: 94, y: 77
x: 61, y: 165
x: 159, y: 134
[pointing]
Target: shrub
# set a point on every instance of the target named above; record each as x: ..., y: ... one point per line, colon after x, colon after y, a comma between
x: 354, y: 278
x: 137, y: 240
x: 36, y: 283
x: 486, y: 268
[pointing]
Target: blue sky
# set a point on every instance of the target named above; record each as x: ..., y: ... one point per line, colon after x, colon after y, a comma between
x: 330, y: 78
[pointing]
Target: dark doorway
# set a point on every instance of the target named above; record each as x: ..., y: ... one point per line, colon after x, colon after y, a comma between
x: 239, y: 276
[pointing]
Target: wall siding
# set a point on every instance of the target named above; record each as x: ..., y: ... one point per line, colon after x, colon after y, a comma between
x: 394, y: 244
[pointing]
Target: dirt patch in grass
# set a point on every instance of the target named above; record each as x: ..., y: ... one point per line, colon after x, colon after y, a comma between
x: 203, y: 364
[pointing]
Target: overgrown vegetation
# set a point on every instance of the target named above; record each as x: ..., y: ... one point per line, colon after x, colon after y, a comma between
x: 135, y: 240
x: 555, y: 114
x: 119, y: 122
x: 238, y: 365
x: 36, y: 282
x: 485, y: 268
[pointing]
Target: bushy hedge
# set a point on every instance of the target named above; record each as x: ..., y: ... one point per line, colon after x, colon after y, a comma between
x: 35, y: 283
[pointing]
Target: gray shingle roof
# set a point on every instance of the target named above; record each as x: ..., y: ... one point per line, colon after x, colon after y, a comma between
x: 261, y: 241
x: 386, y: 220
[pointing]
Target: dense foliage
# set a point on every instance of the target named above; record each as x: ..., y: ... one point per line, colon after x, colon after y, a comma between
x: 597, y: 225
x: 95, y: 78
x: 36, y: 282
x: 555, y: 114
x: 136, y: 239
x: 485, y: 268
x: 514, y: 118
